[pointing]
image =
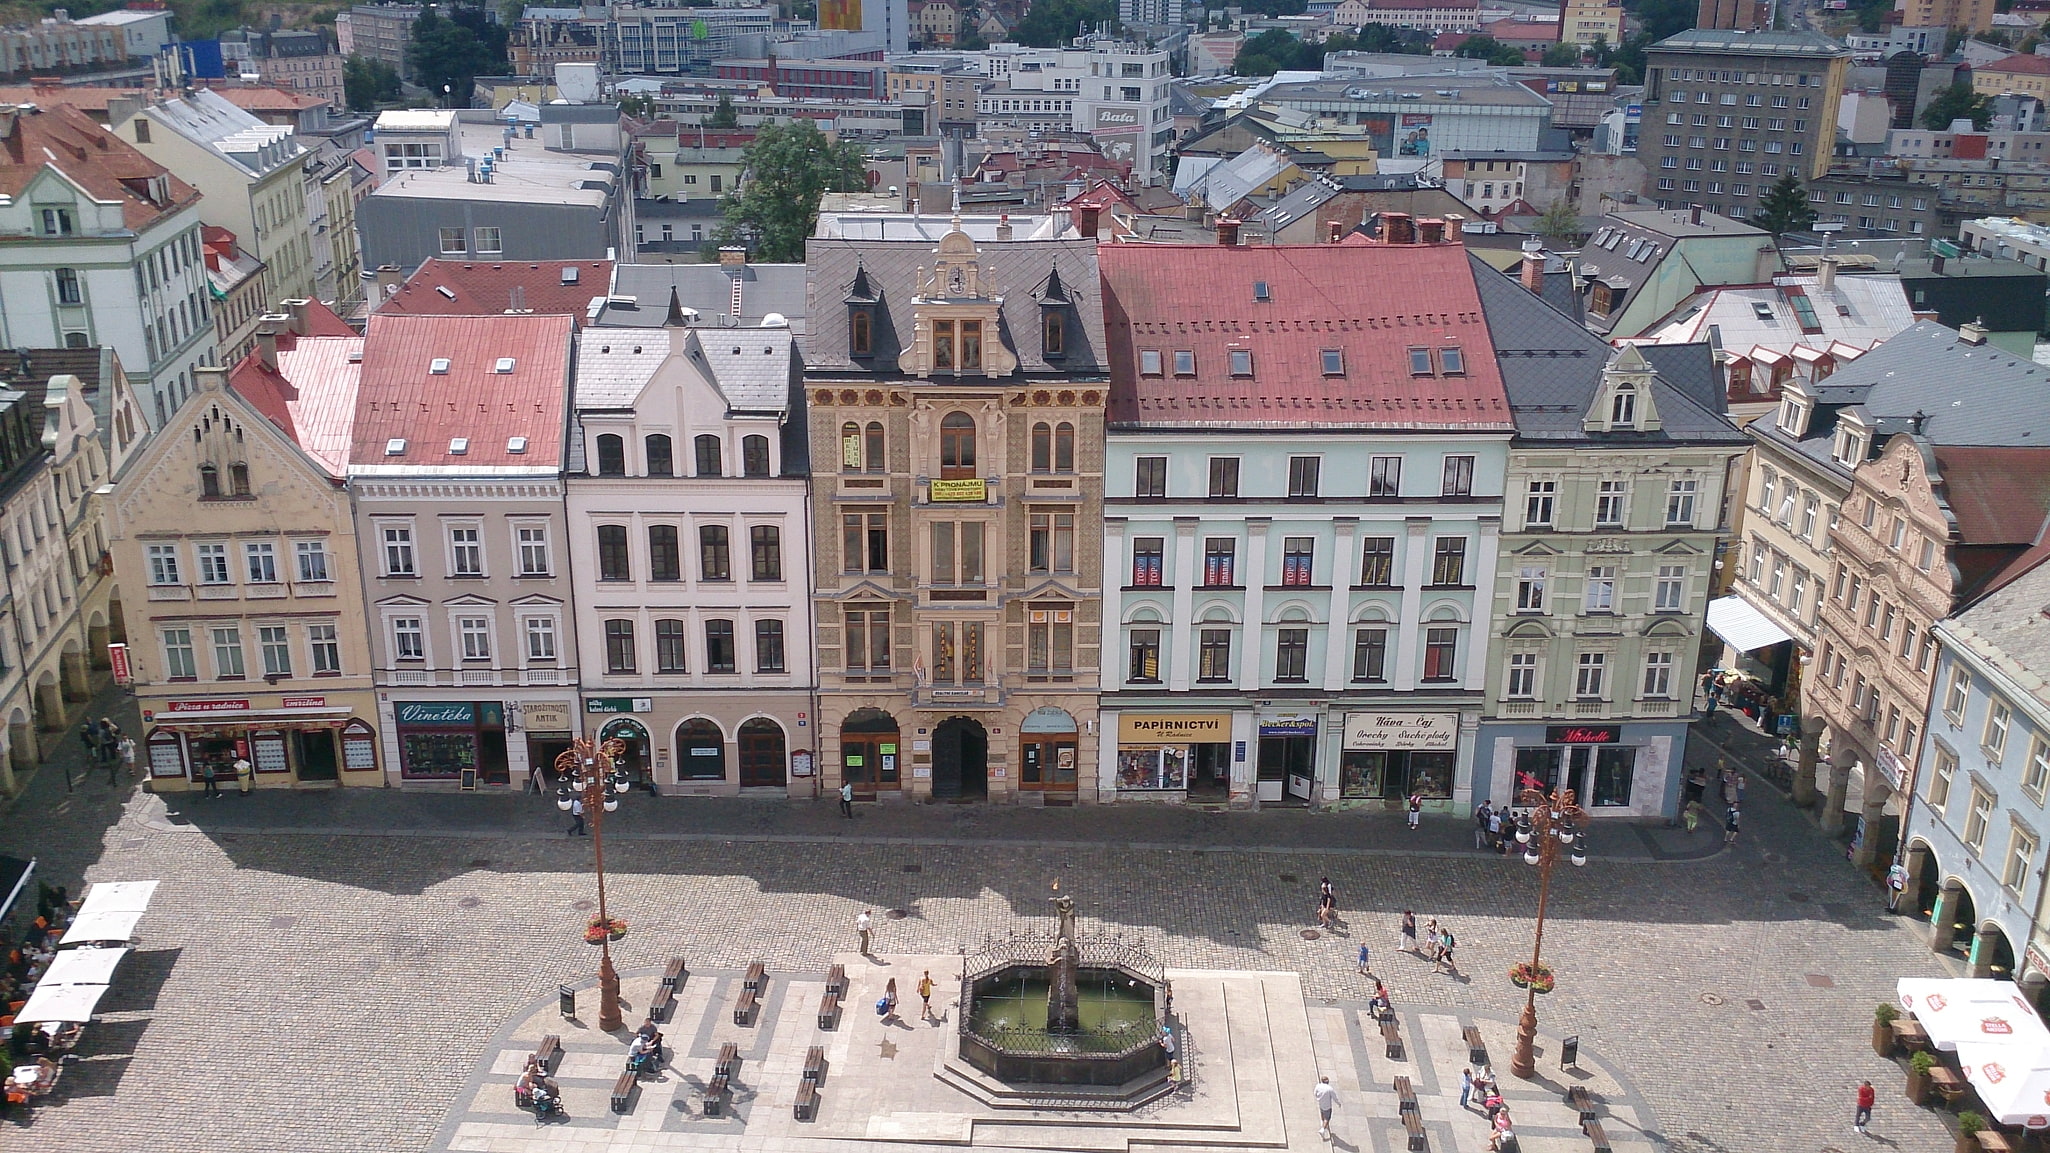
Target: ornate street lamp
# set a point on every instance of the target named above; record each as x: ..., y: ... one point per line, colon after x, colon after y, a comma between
x: 595, y: 772
x: 1551, y: 824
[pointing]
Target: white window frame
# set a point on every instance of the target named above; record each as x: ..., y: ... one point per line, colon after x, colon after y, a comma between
x: 1521, y: 684
x: 461, y: 549
x: 1680, y: 494
x: 1979, y: 818
x: 190, y: 651
x: 309, y: 556
x: 543, y: 628
x: 395, y: 628
x: 1940, y: 778
x: 260, y: 562
x: 472, y: 630
x: 1658, y: 676
x: 2021, y: 857
x: 1590, y: 676
x: 1957, y: 696
x: 522, y: 547
x: 214, y: 568
x: 324, y: 650
x: 274, y: 642
x: 395, y: 537
x: 1669, y: 589
x: 226, y: 642
x: 1993, y: 738
x: 163, y: 565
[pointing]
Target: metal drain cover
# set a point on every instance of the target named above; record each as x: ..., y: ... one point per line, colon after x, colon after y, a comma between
x: 1711, y: 999
x: 914, y: 868
x: 469, y: 902
x: 583, y: 904
x: 1311, y: 934
x: 896, y: 914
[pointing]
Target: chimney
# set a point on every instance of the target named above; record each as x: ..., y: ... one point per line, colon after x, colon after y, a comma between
x: 1694, y: 213
x: 1333, y: 231
x: 388, y: 281
x: 1972, y: 332
x: 1825, y: 274
x: 1004, y: 226
x: 1533, y: 274
x: 1086, y: 220
x: 1228, y: 231
x: 1936, y: 264
x: 1455, y: 226
x: 298, y: 310
x: 267, y: 328
x: 1431, y: 230
x: 732, y: 256
x: 1397, y: 228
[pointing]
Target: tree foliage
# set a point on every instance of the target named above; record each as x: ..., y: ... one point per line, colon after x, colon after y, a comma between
x: 1561, y: 56
x: 366, y: 83
x: 1957, y: 102
x: 723, y: 114
x: 1489, y: 49
x: 1784, y: 207
x: 452, y: 52
x: 1052, y: 23
x: 788, y: 168
x: 1560, y: 221
x: 1277, y: 50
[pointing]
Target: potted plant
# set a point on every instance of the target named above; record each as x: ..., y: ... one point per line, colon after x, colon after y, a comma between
x: 1882, y: 1028
x: 1918, y: 1076
x: 1969, y: 1123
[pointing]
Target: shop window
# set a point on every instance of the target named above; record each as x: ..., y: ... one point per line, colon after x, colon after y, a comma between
x: 700, y: 751
x: 670, y: 647
x: 1144, y: 666
x: 719, y: 647
x: 619, y: 646
x: 1614, y: 768
x: 1153, y: 768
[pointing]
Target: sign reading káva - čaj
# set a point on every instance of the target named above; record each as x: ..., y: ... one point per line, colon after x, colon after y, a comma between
x: 1401, y: 730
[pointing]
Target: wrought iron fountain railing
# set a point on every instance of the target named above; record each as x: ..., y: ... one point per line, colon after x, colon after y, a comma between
x: 1112, y: 1041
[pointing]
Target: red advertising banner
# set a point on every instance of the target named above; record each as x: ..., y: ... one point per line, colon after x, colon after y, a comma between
x: 117, y: 659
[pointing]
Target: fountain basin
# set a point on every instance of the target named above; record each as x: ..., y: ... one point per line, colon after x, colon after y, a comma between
x: 1004, y: 1033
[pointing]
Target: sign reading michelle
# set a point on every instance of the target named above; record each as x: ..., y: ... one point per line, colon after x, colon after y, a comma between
x: 1412, y: 731
x: 1583, y: 734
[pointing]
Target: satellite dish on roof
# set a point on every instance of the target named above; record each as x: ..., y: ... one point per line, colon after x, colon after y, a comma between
x: 775, y: 320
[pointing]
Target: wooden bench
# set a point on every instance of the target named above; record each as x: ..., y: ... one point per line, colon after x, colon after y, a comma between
x: 547, y: 1051
x: 1405, y: 1096
x: 716, y: 1091
x: 728, y: 1062
x: 815, y: 1063
x: 1415, y: 1124
x: 836, y: 980
x: 1476, y: 1049
x: 744, y: 1010
x: 829, y: 1011
x: 1582, y: 1100
x: 1391, y: 1034
x: 1593, y: 1129
x: 662, y: 1003
x: 675, y: 975
x: 757, y: 975
x: 806, y: 1107
x: 623, y: 1091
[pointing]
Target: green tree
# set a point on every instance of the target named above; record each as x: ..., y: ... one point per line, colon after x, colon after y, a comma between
x: 641, y: 106
x: 1561, y: 56
x: 1264, y: 55
x: 1560, y: 221
x: 723, y: 115
x: 788, y: 168
x: 366, y: 83
x: 447, y: 55
x: 1489, y: 49
x: 1052, y: 23
x: 1957, y: 102
x: 1386, y: 38
x: 1784, y: 207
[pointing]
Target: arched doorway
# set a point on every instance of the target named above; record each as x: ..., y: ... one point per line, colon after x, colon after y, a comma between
x: 868, y: 752
x: 960, y: 759
x: 71, y: 666
x: 635, y: 761
x: 48, y: 703
x: 700, y: 751
x: 762, y: 757
x: 21, y: 741
x: 117, y: 625
x: 1991, y: 954
x: 1047, y: 751
x: 96, y: 638
x: 1925, y: 880
x: 1954, y: 936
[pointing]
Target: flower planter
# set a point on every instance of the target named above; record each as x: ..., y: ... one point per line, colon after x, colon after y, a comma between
x: 1538, y: 980
x: 1882, y: 1038
x: 1991, y: 1141
x: 1918, y: 1088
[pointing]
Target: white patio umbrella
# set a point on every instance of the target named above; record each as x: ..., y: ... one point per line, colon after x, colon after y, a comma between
x: 60, y: 1003
x: 82, y: 967
x: 118, y: 897
x: 1952, y: 1010
x: 102, y: 926
x: 2013, y: 1081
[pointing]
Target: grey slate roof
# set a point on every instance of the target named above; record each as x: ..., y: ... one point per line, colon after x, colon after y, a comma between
x: 1970, y: 394
x: 615, y: 364
x: 1552, y: 369
x: 708, y: 288
x: 1625, y: 252
x: 751, y: 366
x: 2006, y: 630
x: 1020, y: 269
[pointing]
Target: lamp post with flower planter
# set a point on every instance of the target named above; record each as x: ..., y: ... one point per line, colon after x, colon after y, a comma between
x: 590, y: 771
x: 1551, y: 823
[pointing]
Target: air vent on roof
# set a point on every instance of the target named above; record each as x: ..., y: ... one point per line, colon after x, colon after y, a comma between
x: 569, y: 273
x: 445, y: 290
x: 458, y: 445
x: 516, y: 444
x: 505, y: 364
x: 1260, y: 292
x: 355, y: 356
x: 396, y: 446
x: 438, y: 366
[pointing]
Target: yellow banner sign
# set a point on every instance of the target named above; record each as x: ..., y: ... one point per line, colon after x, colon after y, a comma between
x: 1173, y: 728
x: 975, y: 489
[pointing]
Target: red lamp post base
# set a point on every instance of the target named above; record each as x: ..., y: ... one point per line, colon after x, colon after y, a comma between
x: 609, y: 1020
x: 1524, y: 1063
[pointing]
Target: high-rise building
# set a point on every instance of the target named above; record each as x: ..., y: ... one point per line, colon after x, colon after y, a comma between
x: 1734, y: 15
x: 1970, y: 15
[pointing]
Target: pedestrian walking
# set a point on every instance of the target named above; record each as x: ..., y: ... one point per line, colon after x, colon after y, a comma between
x: 110, y: 737
x: 861, y: 924
x: 1896, y: 882
x: 1445, y: 943
x: 1730, y: 827
x: 128, y: 757
x: 1167, y: 1041
x: 1465, y: 1087
x: 890, y: 1002
x: 245, y: 775
x: 1431, y: 939
x: 211, y: 788
x: 1327, y: 903
x: 1366, y: 961
x: 89, y: 736
x: 847, y: 800
x: 925, y: 995
x: 1866, y: 1099
x: 576, y: 812
x: 1409, y: 931
x: 1480, y: 825
x: 1416, y: 810
x: 1327, y: 1100
x: 1495, y: 830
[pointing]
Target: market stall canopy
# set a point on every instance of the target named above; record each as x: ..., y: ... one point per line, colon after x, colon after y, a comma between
x: 60, y: 1003
x: 1953, y: 1010
x: 1745, y: 628
x: 118, y: 897
x: 2013, y: 1081
x: 83, y: 967
x: 104, y: 926
x: 14, y: 878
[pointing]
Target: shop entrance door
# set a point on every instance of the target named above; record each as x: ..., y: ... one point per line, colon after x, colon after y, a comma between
x: 1211, y: 780
x: 761, y: 754
x: 542, y: 751
x: 1286, y: 768
x: 960, y: 760
x: 869, y: 752
x: 314, y: 750
x: 1580, y: 772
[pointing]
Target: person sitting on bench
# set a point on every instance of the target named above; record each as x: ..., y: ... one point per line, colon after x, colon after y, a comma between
x: 645, y: 1054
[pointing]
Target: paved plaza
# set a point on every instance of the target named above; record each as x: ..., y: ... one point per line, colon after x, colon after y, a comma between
x: 353, y: 971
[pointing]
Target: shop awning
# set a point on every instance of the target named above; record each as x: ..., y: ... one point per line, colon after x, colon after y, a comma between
x: 118, y: 897
x: 1745, y: 628
x: 68, y: 1003
x: 253, y: 718
x: 15, y: 875
x: 104, y: 926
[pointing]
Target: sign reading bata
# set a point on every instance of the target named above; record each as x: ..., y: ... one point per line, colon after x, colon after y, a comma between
x: 1173, y: 728
x: 1113, y: 120
x: 1402, y: 731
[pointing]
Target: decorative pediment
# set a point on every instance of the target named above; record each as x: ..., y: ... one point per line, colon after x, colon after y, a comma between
x: 1528, y: 628
x: 1677, y: 548
x: 403, y: 601
x: 1624, y: 403
x: 1666, y: 627
x: 1535, y: 548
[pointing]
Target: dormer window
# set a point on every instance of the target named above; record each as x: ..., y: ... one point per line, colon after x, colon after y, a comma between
x: 1054, y: 335
x: 957, y: 346
x: 1623, y: 406
x: 1849, y: 448
x: 1793, y: 416
x: 209, y: 482
x: 861, y: 333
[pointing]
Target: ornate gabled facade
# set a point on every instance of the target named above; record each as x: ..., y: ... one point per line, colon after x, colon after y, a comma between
x: 956, y: 399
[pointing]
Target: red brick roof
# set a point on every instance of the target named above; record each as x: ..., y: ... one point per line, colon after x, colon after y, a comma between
x: 472, y: 288
x: 401, y: 397
x: 1372, y: 302
x: 311, y: 394
x: 107, y: 167
x: 2020, y: 64
x: 1999, y: 495
x: 263, y: 98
